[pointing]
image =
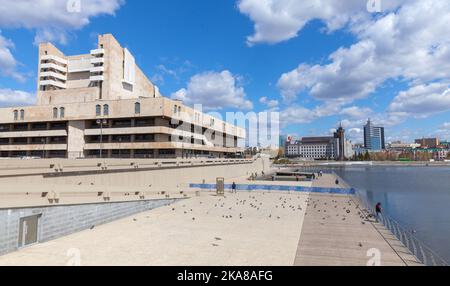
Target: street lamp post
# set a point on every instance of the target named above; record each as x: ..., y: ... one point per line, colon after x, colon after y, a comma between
x: 120, y: 141
x: 43, y: 148
x: 101, y: 122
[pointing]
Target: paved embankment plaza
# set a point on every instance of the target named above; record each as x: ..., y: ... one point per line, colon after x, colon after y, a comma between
x: 243, y: 228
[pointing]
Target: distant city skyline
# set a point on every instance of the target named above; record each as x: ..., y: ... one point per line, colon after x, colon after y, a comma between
x: 316, y: 66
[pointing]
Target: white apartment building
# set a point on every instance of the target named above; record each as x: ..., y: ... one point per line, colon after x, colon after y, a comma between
x: 101, y: 104
x: 313, y: 148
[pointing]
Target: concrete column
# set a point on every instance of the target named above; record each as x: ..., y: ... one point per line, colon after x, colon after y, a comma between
x: 75, y: 140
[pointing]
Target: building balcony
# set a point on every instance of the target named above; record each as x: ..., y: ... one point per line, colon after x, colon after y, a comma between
x: 41, y: 133
x: 97, y: 78
x: 97, y: 69
x: 54, y: 58
x: 52, y: 83
x: 53, y: 74
x: 33, y: 147
x: 95, y: 61
x: 158, y: 145
x: 53, y: 66
x: 144, y: 130
x: 97, y: 52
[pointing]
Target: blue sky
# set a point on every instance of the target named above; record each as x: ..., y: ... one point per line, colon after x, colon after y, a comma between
x: 317, y: 66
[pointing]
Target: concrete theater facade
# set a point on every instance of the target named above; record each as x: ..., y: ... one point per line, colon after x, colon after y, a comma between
x: 102, y: 105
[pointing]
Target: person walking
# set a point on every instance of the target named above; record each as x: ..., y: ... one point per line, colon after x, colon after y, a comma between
x: 233, y: 187
x: 378, y: 210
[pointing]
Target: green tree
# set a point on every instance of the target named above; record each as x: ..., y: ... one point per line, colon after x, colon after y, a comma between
x: 367, y: 156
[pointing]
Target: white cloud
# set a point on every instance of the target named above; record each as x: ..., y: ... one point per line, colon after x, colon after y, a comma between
x: 353, y: 74
x: 8, y: 64
x: 52, y: 18
x: 214, y: 91
x: 9, y: 97
x: 410, y: 44
x: 279, y: 20
x: 422, y: 100
x: 356, y: 112
x: 296, y: 114
x: 271, y: 103
x: 443, y: 131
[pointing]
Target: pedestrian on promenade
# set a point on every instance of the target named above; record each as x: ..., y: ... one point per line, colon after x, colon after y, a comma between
x: 378, y: 210
x: 233, y: 187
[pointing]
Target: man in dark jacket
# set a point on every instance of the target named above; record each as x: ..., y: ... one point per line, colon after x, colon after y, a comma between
x: 233, y: 187
x: 378, y: 210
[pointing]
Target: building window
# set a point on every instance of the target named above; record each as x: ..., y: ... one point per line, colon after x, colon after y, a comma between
x: 175, y: 109
x: 137, y: 108
x: 62, y: 112
x: 98, y: 110
x: 22, y: 114
x: 16, y: 115
x: 55, y: 112
x: 106, y: 110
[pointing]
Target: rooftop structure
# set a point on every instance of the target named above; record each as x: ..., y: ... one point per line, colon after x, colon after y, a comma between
x: 101, y: 104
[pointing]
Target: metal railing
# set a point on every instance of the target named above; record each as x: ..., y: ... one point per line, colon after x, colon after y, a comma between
x: 422, y: 252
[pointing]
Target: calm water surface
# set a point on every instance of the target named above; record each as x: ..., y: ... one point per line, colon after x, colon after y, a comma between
x: 417, y: 197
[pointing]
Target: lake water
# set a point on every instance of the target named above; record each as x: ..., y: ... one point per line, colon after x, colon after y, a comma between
x: 417, y: 197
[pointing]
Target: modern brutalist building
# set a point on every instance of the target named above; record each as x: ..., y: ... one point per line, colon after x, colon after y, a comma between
x: 102, y: 105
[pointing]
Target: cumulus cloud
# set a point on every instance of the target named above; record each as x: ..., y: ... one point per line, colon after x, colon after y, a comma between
x: 298, y: 114
x: 53, y: 18
x: 271, y: 103
x: 214, y: 90
x: 356, y: 112
x: 422, y: 100
x: 8, y: 64
x: 9, y: 97
x: 409, y: 44
x: 280, y: 20
x: 443, y: 131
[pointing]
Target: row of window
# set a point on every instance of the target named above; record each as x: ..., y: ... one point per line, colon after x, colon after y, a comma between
x: 21, y: 113
x: 98, y: 109
x: 16, y: 114
x: 62, y: 112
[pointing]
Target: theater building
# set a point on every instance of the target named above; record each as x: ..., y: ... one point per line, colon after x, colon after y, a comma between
x: 102, y: 105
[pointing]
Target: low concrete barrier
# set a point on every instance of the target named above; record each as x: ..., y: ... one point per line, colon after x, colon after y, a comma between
x: 247, y: 187
x: 57, y: 221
